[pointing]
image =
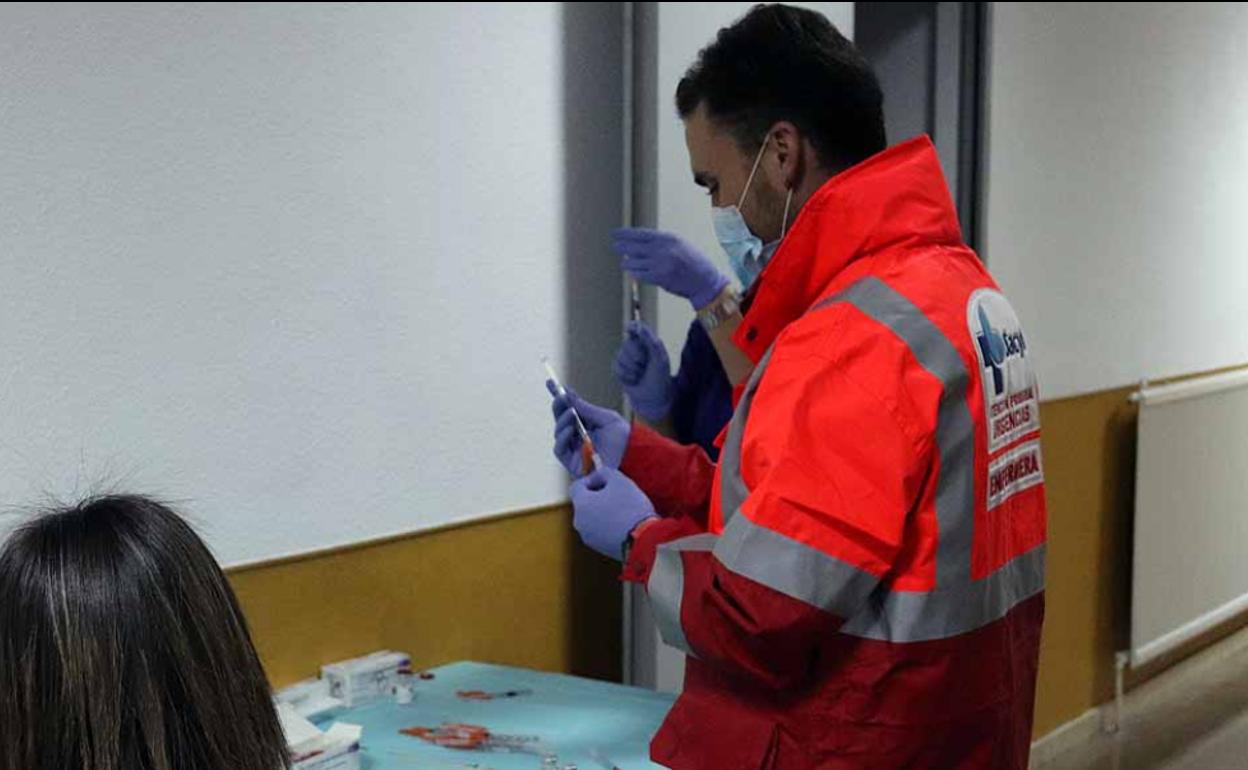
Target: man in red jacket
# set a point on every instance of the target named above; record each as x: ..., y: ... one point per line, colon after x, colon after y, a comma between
x: 859, y: 582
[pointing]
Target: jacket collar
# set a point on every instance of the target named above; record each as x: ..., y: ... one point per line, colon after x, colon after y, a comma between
x: 896, y: 197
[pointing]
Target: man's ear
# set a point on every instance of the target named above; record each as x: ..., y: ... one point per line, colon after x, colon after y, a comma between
x: 790, y: 158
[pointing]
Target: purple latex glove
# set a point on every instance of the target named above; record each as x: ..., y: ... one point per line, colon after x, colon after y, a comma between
x: 663, y: 259
x: 607, y: 429
x: 643, y: 368
x: 608, y: 506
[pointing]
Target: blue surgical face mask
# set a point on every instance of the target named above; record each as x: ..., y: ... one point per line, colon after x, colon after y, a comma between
x: 747, y: 254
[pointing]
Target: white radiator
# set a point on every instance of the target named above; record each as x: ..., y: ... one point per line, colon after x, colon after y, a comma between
x: 1190, y: 569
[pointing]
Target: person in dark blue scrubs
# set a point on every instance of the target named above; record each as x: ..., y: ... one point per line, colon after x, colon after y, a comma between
x: 694, y: 405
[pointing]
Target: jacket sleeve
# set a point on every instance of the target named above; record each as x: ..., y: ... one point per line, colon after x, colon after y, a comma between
x: 676, y: 477
x: 838, y: 468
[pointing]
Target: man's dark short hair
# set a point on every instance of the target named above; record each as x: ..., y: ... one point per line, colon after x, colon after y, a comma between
x: 779, y: 63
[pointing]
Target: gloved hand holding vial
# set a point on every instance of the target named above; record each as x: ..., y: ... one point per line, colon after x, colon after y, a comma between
x: 587, y: 437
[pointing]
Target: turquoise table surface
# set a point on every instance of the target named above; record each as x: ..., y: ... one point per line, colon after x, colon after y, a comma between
x: 572, y: 717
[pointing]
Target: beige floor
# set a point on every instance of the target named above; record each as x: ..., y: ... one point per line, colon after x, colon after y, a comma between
x: 1193, y: 717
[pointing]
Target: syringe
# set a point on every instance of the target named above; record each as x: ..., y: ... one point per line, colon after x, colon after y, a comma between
x: 635, y: 298
x: 589, y: 455
x: 602, y: 760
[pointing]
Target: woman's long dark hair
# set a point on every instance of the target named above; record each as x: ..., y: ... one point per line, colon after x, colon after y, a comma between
x: 122, y: 647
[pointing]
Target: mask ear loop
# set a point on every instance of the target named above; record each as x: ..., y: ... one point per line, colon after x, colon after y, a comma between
x: 784, y: 223
x: 757, y: 160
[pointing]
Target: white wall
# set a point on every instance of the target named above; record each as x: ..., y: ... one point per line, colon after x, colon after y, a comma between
x: 1118, y: 186
x: 684, y: 29
x: 294, y: 266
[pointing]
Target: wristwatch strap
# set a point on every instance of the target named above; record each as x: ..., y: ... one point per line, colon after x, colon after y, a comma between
x: 718, y: 312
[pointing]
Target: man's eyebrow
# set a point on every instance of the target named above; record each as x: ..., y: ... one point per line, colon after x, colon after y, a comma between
x: 703, y: 180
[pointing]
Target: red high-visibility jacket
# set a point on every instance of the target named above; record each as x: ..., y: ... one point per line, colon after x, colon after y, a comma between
x: 859, y: 582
